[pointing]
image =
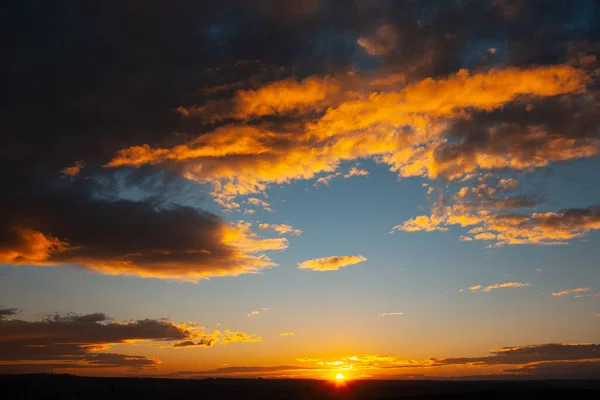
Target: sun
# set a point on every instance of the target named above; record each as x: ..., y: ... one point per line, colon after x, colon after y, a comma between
x: 339, y: 377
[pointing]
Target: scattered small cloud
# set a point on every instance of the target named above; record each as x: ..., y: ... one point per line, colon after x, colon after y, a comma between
x: 259, y: 203
x: 258, y: 312
x: 508, y: 184
x: 286, y: 334
x: 325, y: 180
x: 390, y: 314
x: 280, y: 228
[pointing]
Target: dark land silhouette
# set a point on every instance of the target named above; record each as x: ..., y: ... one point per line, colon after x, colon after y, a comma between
x: 50, y: 386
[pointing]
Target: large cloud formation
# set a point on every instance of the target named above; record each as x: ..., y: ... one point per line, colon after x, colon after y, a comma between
x: 131, y: 238
x: 116, y: 135
x: 81, y: 341
x: 404, y: 128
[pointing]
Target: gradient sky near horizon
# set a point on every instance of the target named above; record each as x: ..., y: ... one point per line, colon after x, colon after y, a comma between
x: 387, y: 189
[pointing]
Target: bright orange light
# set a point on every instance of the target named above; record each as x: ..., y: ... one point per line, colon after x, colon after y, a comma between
x: 339, y: 377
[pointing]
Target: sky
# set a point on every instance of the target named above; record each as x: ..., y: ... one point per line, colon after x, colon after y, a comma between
x: 261, y: 188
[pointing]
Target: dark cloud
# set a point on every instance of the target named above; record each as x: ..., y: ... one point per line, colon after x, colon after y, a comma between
x: 529, y: 354
x: 25, y: 368
x: 76, y: 334
x: 524, y: 134
x: 87, y: 79
x: 241, y: 371
x: 124, y: 237
x: 381, y: 42
x: 191, y: 343
x: 8, y: 312
x: 81, y: 341
x: 560, y: 370
x: 290, y: 10
x: 74, y: 341
x: 508, y: 203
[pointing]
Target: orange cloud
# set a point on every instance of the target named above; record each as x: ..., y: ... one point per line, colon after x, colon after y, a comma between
x: 31, y: 247
x: 74, y: 169
x: 419, y: 104
x: 281, y: 228
x: 404, y: 128
x: 232, y: 337
x: 365, y: 361
x: 284, y: 96
x: 222, y: 142
x: 508, y: 184
x: 232, y: 250
x: 332, y: 263
x: 279, y: 97
x: 356, y: 172
x: 325, y: 180
x: 260, y: 203
x: 421, y: 223
x: 258, y: 312
x: 480, y: 288
x: 201, y: 339
x: 509, y: 228
x: 569, y: 291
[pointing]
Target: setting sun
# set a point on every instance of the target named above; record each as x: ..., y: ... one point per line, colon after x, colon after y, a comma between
x: 339, y: 377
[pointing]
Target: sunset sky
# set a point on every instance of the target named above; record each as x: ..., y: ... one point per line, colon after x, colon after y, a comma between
x: 383, y: 189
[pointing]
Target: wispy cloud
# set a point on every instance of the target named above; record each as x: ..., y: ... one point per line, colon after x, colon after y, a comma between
x: 245, y: 371
x: 570, y: 291
x: 480, y: 288
x: 390, y: 314
x: 356, y: 172
x: 332, y: 263
x: 381, y: 42
x: 286, y: 334
x: 281, y: 228
x: 325, y: 180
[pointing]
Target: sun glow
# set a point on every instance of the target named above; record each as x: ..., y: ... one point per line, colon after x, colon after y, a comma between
x: 339, y: 377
